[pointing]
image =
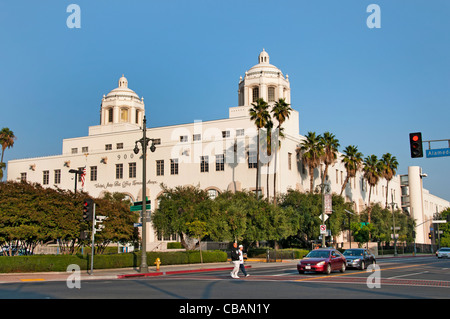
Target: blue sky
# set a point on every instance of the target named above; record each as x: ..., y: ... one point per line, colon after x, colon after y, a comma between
x: 370, y: 87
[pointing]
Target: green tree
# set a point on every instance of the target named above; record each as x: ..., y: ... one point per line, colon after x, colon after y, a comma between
x: 353, y: 160
x: 330, y: 146
x: 198, y: 229
x: 281, y: 112
x: 390, y: 166
x: 259, y: 114
x: 373, y: 169
x: 311, y: 151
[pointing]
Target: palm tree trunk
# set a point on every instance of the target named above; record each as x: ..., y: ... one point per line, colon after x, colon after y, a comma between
x: 311, y: 180
x: 369, y: 209
x: 257, y: 164
x: 345, y: 184
x: 387, y: 192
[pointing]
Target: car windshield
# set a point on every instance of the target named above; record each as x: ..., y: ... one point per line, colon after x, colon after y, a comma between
x: 444, y: 249
x: 353, y: 252
x: 318, y: 254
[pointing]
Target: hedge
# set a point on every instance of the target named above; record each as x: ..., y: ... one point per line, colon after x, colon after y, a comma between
x: 278, y: 253
x: 43, y: 263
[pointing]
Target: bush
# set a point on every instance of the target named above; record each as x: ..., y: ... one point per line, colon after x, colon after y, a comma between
x: 174, y: 245
x: 278, y: 253
x: 43, y: 263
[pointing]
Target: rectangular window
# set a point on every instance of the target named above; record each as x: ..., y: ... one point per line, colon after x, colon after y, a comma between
x: 290, y: 161
x: 85, y: 149
x: 132, y: 170
x: 225, y: 134
x: 197, y: 137
x: 45, y: 177
x: 119, y: 171
x: 23, y: 177
x: 240, y: 132
x: 220, y: 162
x: 108, y: 147
x: 174, y: 166
x: 252, y: 160
x: 160, y: 168
x: 183, y: 138
x: 271, y: 94
x: 119, y: 146
x: 157, y: 141
x: 255, y: 94
x: 57, y: 176
x: 204, y: 164
x: 93, y: 173
x: 74, y: 150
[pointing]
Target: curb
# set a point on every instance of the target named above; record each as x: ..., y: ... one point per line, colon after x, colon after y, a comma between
x: 173, y: 272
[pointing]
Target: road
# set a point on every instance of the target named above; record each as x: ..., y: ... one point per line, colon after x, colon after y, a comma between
x: 402, y: 278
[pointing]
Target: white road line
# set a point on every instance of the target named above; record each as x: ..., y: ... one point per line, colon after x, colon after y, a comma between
x: 416, y: 273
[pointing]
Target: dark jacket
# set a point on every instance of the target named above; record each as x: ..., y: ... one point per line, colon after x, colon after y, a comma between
x: 234, y: 254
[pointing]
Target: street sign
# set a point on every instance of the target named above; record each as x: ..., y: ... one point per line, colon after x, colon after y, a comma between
x: 442, y: 221
x: 137, y: 224
x: 323, y: 229
x: 325, y: 217
x: 438, y: 152
x: 137, y: 208
x: 328, y: 203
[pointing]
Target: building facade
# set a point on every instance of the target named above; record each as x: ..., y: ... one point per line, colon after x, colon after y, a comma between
x: 217, y: 155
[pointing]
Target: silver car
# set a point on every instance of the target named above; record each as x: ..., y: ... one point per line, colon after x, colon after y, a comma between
x: 359, y: 258
x: 443, y: 252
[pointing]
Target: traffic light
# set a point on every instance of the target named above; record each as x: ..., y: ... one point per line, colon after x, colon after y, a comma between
x: 415, y: 143
x: 88, y: 209
x: 429, y: 235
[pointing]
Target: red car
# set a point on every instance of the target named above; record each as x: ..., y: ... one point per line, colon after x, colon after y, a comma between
x: 322, y: 260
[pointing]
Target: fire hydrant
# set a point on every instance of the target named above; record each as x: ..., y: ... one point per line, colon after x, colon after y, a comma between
x: 157, y: 263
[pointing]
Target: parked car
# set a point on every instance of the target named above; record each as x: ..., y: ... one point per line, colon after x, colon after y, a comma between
x: 443, y: 252
x: 323, y: 260
x: 359, y: 258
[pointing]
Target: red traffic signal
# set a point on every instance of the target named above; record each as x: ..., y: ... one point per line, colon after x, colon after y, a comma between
x: 415, y: 143
x: 88, y: 209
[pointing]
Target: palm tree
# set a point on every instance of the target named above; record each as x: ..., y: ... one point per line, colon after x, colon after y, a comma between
x: 281, y: 111
x: 389, y: 171
x: 260, y: 115
x: 7, y: 139
x: 311, y: 153
x: 330, y: 147
x: 352, y: 159
x: 268, y: 127
x: 373, y: 170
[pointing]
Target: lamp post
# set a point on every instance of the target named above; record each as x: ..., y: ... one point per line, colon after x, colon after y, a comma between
x: 76, y: 172
x: 144, y: 143
x: 393, y: 205
x: 324, y: 189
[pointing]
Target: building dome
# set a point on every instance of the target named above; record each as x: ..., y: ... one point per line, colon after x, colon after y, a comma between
x: 265, y: 81
x: 122, y: 90
x: 264, y: 66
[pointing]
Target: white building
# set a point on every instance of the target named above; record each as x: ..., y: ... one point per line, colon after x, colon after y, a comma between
x: 215, y: 155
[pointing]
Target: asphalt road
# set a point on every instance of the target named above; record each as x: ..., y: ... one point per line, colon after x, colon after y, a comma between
x: 403, y: 278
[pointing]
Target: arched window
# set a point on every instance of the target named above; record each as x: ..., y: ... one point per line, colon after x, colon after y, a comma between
x: 110, y: 115
x: 124, y: 115
x: 271, y: 94
x: 255, y: 94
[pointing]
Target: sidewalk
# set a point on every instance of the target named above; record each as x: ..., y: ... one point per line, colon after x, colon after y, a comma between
x: 130, y: 273
x: 124, y: 273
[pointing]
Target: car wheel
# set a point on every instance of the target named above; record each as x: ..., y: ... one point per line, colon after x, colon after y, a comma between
x: 363, y: 265
x: 343, y: 267
x: 328, y: 270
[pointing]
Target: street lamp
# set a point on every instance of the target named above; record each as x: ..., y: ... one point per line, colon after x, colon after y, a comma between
x: 144, y: 143
x: 76, y: 172
x: 324, y: 189
x: 394, y: 205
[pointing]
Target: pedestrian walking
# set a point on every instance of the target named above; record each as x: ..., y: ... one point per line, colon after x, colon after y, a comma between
x: 235, y: 260
x: 241, y: 261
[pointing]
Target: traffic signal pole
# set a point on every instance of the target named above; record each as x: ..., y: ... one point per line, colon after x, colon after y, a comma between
x: 93, y: 242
